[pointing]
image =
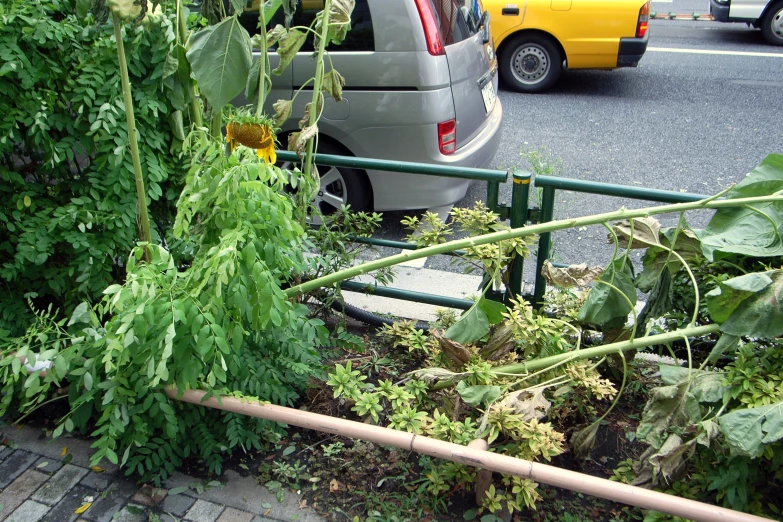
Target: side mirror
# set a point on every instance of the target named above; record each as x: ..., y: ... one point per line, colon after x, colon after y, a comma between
x: 484, y: 26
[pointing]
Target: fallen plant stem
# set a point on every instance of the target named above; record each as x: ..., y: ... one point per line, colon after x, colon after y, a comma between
x: 589, y: 353
x: 494, y: 237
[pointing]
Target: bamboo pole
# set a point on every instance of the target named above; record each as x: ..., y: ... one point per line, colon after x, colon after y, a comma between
x: 481, y: 459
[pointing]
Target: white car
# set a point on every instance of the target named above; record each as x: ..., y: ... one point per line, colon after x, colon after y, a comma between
x: 761, y: 14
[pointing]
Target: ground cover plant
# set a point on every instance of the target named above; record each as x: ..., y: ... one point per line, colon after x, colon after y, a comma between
x: 215, y: 300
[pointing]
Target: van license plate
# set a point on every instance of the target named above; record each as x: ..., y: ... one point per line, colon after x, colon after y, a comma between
x: 488, y: 93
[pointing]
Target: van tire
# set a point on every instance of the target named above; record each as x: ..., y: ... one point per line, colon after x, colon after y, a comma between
x: 772, y: 24
x: 531, y: 63
x: 351, y: 186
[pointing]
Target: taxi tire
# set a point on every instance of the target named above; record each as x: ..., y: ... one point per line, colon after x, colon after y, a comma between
x: 537, y: 44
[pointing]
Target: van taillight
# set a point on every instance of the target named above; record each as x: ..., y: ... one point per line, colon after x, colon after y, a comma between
x: 431, y: 27
x: 644, y: 18
x: 447, y: 137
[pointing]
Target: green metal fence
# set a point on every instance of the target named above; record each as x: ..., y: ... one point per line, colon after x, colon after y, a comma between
x: 518, y: 211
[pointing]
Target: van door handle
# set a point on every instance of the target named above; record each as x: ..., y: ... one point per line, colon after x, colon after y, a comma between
x: 510, y: 11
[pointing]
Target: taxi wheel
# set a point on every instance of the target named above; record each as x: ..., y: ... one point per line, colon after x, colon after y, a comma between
x: 531, y: 63
x: 772, y: 25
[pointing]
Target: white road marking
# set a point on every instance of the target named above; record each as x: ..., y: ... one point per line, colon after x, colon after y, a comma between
x: 443, y: 214
x: 715, y: 52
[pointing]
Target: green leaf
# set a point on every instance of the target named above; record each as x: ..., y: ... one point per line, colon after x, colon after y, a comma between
x: 493, y: 310
x: 289, y: 450
x: 176, y: 77
x: 745, y: 230
x: 748, y: 431
x: 220, y: 57
x: 178, y: 491
x: 749, y: 305
x: 81, y: 314
x: 471, y: 327
x: 704, y: 386
x: 656, y: 258
x: 726, y: 343
x: 604, y: 303
x: 82, y: 9
x: 478, y: 395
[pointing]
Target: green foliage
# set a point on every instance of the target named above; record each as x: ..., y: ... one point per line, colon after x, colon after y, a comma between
x: 68, y: 211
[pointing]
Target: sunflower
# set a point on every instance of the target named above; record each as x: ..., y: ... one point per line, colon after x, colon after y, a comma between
x: 257, y: 135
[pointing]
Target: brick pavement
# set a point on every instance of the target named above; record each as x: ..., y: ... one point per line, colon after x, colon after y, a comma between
x: 37, y: 484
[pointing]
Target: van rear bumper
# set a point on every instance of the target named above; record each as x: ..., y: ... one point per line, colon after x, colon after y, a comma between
x: 631, y: 51
x: 719, y: 11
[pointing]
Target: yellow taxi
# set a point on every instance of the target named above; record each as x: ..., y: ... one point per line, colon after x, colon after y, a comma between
x: 536, y: 39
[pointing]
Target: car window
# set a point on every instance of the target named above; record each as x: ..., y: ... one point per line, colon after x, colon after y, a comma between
x: 359, y: 38
x: 453, y: 26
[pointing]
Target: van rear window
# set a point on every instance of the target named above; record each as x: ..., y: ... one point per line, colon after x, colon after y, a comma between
x: 452, y: 19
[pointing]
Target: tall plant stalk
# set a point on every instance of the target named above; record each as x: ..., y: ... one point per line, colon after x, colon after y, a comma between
x: 182, y: 36
x: 317, y: 85
x: 143, y: 217
x: 264, y: 63
x: 541, y: 228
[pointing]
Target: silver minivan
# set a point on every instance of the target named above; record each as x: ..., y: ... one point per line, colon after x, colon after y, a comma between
x: 766, y: 15
x: 421, y: 83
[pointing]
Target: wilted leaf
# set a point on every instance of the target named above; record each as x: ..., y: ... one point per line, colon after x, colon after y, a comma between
x: 749, y: 305
x: 334, y: 486
x: 708, y: 431
x: 283, y: 110
x: 478, y: 395
x: 606, y: 304
x: 452, y: 349
x: 645, y: 232
x: 705, y: 386
x: 220, y: 57
x: 333, y: 84
x: 274, y: 36
x: 97, y: 469
x: 664, y: 465
x: 339, y: 22
x: 500, y: 342
x: 305, y: 121
x: 574, y: 275
x: 667, y: 407
x: 64, y: 451
x: 685, y: 243
x: 583, y: 441
x: 529, y: 405
x: 749, y: 430
x: 744, y: 230
x: 84, y: 507
x: 297, y: 141
x: 290, y: 43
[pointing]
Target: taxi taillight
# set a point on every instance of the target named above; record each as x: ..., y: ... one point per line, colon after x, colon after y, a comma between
x: 644, y: 19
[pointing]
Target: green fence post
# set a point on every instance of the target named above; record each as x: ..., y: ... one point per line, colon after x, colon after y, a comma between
x: 519, y: 213
x: 493, y: 194
x: 544, y: 244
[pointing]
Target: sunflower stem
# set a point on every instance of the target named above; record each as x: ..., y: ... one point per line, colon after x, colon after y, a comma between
x: 145, y: 235
x: 318, y: 83
x: 264, y: 60
x: 494, y: 237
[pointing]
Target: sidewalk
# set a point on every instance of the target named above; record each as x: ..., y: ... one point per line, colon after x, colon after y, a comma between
x: 38, y: 484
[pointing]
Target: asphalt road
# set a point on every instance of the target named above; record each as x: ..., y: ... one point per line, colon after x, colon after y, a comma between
x: 695, y: 116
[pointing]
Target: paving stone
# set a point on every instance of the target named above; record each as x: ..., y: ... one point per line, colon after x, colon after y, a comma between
x: 262, y: 519
x: 51, y: 465
x: 73, y: 500
x: 97, y: 481
x: 235, y: 515
x: 30, y: 511
x: 203, y: 511
x: 4, y: 452
x: 115, y: 498
x: 14, y: 466
x: 20, y: 490
x: 177, y: 505
x: 131, y: 513
x: 54, y: 490
x: 149, y: 496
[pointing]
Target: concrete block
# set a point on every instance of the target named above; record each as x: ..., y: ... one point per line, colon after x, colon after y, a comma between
x: 30, y: 511
x: 97, y: 481
x: 47, y: 465
x: 235, y: 515
x: 203, y: 511
x: 60, y: 484
x: 64, y: 511
x: 177, y: 505
x: 4, y: 452
x: 132, y: 513
x: 14, y: 465
x: 111, y: 501
x: 20, y: 490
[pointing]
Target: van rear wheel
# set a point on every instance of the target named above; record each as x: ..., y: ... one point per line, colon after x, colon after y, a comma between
x: 531, y: 63
x: 339, y: 186
x: 772, y: 24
